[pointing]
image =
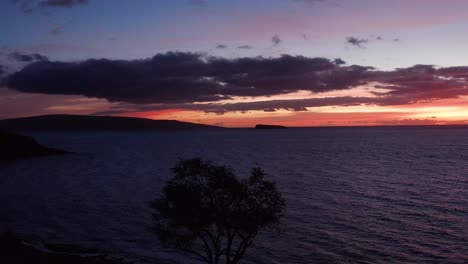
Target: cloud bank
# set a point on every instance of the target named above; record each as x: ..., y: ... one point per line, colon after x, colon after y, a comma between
x: 27, y: 6
x: 195, y: 81
x: 21, y: 57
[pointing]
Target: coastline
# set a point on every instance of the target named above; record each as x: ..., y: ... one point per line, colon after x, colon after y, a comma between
x: 14, y: 249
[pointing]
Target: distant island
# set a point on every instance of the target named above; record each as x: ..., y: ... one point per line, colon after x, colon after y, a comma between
x: 15, y: 146
x: 259, y: 126
x: 93, y: 123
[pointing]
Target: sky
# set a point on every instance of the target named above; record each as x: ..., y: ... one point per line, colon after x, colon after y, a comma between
x: 238, y: 63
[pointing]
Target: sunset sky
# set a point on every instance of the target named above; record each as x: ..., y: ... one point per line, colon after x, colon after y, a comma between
x: 238, y: 63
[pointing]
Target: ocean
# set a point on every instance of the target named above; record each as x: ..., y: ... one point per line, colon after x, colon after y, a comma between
x: 353, y: 195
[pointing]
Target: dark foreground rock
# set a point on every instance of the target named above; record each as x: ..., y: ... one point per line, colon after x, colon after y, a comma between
x: 15, y: 146
x: 269, y: 127
x: 15, y: 250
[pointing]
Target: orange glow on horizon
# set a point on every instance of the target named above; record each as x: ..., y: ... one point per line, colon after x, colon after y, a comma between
x: 442, y: 112
x: 436, y: 112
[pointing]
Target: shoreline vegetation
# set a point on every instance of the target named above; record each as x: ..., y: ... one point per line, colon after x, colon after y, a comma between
x: 14, y: 249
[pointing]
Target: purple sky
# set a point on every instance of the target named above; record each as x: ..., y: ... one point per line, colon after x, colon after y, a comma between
x: 382, y: 34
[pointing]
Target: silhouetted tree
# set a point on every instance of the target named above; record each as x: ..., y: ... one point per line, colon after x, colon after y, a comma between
x: 206, y: 211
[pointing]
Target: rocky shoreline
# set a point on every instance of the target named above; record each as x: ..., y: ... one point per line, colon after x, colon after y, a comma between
x: 14, y: 249
x: 15, y: 146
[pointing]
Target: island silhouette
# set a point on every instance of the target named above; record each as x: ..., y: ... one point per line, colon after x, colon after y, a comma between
x: 261, y: 126
x: 87, y: 122
x: 14, y: 145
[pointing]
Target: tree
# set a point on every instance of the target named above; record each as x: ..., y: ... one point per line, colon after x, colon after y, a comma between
x: 206, y: 211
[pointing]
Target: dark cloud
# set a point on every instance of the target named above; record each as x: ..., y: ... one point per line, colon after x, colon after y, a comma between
x: 274, y: 105
x: 221, y: 46
x: 358, y: 42
x: 27, y: 57
x: 197, y: 2
x: 452, y: 72
x: 396, y: 39
x: 184, y: 77
x: 339, y: 61
x: 245, y: 47
x: 276, y: 40
x: 267, y: 106
x: 62, y: 3
x: 56, y: 31
x: 178, y: 80
x: 28, y: 6
x: 3, y: 74
x: 310, y: 1
x: 421, y: 83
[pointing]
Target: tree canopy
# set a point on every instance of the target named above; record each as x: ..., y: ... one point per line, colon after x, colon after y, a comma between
x: 207, y: 211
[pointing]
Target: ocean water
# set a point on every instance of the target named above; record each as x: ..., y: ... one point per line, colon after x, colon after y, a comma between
x: 353, y: 195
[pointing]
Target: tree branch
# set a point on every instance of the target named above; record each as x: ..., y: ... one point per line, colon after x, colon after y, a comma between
x: 207, y: 249
x: 196, y: 254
